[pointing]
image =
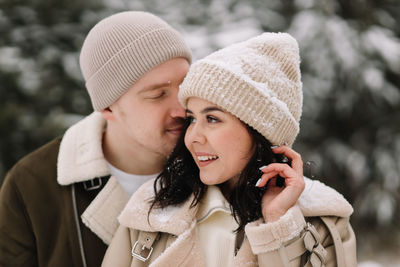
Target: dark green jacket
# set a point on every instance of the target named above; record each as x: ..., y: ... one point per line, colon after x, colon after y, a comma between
x: 39, y: 218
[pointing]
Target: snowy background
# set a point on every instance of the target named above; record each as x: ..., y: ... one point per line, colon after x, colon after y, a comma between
x: 350, y: 54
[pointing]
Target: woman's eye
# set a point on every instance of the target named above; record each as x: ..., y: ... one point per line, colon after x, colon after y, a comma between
x: 190, y: 119
x: 212, y: 119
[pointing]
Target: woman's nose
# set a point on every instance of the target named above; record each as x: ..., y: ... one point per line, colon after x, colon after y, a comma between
x: 195, y: 134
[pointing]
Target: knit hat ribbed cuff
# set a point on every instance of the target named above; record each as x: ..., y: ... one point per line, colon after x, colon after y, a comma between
x: 242, y: 98
x: 132, y: 62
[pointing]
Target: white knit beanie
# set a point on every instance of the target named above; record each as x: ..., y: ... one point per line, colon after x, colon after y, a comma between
x: 258, y: 81
x: 121, y: 48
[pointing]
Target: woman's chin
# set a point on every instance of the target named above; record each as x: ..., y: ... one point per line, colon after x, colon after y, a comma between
x: 209, y: 181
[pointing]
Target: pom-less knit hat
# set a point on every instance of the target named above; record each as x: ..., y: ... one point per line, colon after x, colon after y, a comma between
x: 120, y: 49
x: 258, y: 81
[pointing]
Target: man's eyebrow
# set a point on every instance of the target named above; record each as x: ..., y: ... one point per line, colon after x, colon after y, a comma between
x: 154, y: 87
x: 206, y: 110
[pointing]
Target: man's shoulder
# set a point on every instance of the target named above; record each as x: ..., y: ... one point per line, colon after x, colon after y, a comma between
x: 44, y: 151
x: 43, y: 162
x: 43, y: 155
x: 40, y: 163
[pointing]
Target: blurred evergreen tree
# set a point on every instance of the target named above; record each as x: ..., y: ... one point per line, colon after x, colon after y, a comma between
x: 351, y: 66
x: 350, y: 54
x: 40, y: 77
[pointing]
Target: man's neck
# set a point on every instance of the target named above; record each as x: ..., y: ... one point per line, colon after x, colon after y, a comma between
x: 129, y: 156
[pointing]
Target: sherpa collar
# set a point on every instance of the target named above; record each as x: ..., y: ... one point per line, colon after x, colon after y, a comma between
x: 173, y: 219
x: 317, y: 199
x: 81, y: 156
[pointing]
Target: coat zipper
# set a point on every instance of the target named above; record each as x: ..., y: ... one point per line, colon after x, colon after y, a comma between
x: 78, y: 226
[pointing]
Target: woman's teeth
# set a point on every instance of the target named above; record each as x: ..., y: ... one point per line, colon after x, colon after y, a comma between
x: 206, y: 158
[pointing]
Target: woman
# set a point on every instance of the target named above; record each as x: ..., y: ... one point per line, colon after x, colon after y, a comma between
x: 233, y: 192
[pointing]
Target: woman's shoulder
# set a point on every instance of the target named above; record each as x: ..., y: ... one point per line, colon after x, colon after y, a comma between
x: 319, y: 199
x: 172, y: 219
x: 138, y: 204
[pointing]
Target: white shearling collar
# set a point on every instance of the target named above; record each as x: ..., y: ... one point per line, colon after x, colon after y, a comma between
x: 81, y: 156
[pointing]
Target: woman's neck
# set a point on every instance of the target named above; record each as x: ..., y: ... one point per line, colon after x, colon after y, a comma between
x: 227, y: 187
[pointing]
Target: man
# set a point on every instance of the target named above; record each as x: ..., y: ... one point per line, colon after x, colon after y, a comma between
x: 58, y: 205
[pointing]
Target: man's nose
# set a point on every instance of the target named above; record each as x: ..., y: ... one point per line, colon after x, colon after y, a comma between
x: 177, y: 111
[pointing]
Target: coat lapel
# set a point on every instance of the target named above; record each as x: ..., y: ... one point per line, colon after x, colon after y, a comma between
x: 101, y: 215
x: 184, y: 251
x: 173, y: 220
x: 178, y: 221
x: 80, y: 159
x: 81, y: 155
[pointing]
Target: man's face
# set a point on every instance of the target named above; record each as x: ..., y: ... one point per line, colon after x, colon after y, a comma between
x: 148, y: 117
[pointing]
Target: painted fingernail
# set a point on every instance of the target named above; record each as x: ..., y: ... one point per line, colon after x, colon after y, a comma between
x: 285, y: 143
x: 272, y: 147
x: 263, y: 167
x: 258, y: 182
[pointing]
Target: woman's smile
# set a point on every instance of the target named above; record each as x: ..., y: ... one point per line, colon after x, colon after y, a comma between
x: 204, y: 159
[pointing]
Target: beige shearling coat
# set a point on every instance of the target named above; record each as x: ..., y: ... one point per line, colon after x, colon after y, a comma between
x: 299, y: 238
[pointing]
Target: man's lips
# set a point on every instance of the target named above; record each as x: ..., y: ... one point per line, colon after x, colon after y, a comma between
x: 176, y: 130
x: 176, y: 126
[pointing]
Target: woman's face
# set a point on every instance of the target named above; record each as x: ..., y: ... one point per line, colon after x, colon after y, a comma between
x: 218, y: 141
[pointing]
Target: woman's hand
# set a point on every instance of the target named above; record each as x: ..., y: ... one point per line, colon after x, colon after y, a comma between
x: 277, y: 200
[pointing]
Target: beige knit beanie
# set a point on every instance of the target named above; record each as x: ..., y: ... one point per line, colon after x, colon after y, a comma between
x: 258, y: 81
x: 120, y: 49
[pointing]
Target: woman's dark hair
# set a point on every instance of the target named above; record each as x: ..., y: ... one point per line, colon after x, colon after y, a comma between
x: 180, y: 178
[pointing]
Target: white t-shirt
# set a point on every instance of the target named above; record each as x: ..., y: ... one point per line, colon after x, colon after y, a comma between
x: 129, y: 182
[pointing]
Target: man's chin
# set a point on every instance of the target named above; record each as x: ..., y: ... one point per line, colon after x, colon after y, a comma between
x: 169, y: 146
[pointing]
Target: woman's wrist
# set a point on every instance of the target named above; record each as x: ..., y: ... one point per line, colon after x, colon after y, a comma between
x: 273, y: 215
